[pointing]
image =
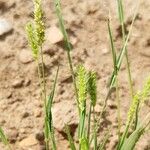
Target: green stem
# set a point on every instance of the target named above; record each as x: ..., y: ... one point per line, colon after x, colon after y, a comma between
x: 89, y: 122
x: 95, y: 131
x: 123, y: 136
x: 67, y: 44
x: 98, y: 123
x: 81, y: 125
x: 127, y: 62
x: 42, y: 81
x: 73, y: 76
x: 118, y: 107
x: 136, y: 116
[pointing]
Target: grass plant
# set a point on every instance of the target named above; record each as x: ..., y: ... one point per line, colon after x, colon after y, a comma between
x: 85, y: 89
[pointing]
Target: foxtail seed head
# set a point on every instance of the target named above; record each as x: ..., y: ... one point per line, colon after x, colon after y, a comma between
x: 39, y: 24
x: 81, y: 83
x: 32, y: 39
x: 133, y: 107
x: 138, y: 99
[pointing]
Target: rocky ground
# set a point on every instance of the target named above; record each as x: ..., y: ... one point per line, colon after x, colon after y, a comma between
x: 21, y: 112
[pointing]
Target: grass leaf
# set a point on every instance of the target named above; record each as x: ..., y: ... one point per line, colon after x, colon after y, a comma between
x: 84, y: 144
x: 68, y: 45
x: 122, y: 53
x: 112, y: 48
x: 49, y: 120
x: 131, y: 141
x: 3, y: 137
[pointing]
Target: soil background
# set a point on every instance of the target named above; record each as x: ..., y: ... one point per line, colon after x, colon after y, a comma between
x: 21, y: 111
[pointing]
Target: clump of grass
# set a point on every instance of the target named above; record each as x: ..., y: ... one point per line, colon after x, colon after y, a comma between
x: 36, y: 38
x: 138, y: 99
x: 85, y: 83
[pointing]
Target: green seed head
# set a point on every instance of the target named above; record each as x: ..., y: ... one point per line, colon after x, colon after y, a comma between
x: 146, y: 90
x: 134, y: 105
x: 39, y: 24
x: 81, y: 83
x: 139, y: 98
x: 92, y: 88
x: 32, y: 39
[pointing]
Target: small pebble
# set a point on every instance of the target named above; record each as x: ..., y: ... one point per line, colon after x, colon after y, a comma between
x: 12, y: 135
x: 54, y: 35
x: 105, y: 51
x: 5, y: 26
x: 39, y: 136
x: 17, y: 83
x: 27, y: 82
x: 37, y: 113
x: 25, y: 115
x: 29, y: 141
x: 25, y: 56
x: 111, y: 104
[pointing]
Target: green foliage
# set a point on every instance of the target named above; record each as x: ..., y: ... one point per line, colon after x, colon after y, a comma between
x: 122, y: 53
x: 113, y: 48
x: 131, y: 141
x: 120, y: 11
x: 84, y: 144
x: 4, y: 138
x: 68, y: 46
x: 49, y: 129
x: 85, y: 83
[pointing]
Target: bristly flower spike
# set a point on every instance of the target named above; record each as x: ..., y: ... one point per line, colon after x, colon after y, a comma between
x: 32, y: 39
x: 81, y: 83
x: 134, y: 105
x: 39, y: 24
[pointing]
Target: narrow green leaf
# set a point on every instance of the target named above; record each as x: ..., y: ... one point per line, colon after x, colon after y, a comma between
x: 122, y: 53
x: 112, y: 48
x: 62, y: 27
x: 84, y: 144
x: 120, y: 11
x: 131, y: 141
x: 49, y: 120
x: 3, y: 137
